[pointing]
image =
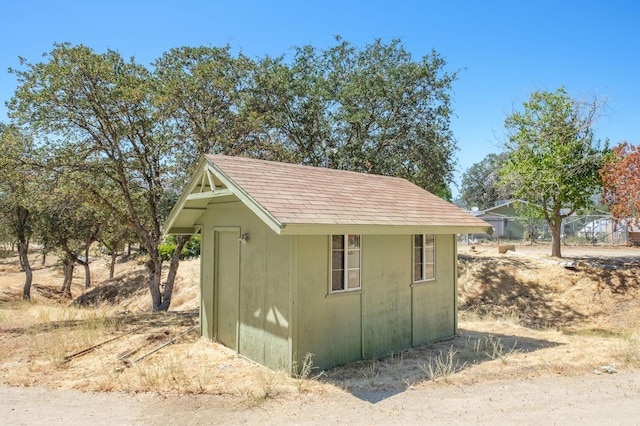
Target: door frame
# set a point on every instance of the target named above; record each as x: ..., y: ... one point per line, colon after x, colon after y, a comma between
x: 216, y: 249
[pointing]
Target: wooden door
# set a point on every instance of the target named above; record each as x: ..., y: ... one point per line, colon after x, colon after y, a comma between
x: 227, y: 285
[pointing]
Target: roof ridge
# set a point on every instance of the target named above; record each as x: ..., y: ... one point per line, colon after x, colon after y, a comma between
x: 213, y: 157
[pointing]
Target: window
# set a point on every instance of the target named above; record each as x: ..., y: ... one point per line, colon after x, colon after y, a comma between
x: 345, y: 262
x: 424, y: 256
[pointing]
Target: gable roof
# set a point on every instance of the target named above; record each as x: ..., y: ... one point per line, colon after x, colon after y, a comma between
x: 505, y: 204
x: 295, y: 199
x: 515, y: 202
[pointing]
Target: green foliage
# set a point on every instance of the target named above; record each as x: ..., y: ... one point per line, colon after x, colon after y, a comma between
x: 19, y: 186
x: 201, y: 95
x: 480, y: 183
x: 126, y: 137
x: 552, y: 160
x: 372, y: 110
x: 18, y: 181
x: 95, y: 111
x: 191, y: 249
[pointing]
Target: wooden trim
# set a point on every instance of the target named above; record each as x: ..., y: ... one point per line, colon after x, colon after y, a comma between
x: 208, y: 195
x: 184, y: 231
x: 323, y: 229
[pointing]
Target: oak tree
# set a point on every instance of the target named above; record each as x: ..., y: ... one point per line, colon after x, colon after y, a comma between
x: 480, y: 183
x: 200, y: 94
x: 373, y: 110
x: 18, y: 189
x: 96, y: 111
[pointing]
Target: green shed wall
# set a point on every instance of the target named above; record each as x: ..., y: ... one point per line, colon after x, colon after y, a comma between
x: 285, y: 308
x: 434, y: 302
x: 388, y: 314
x: 264, y: 313
x: 386, y: 294
x: 327, y: 325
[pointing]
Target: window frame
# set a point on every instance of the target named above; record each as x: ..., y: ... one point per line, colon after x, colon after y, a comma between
x: 424, y: 261
x: 345, y: 264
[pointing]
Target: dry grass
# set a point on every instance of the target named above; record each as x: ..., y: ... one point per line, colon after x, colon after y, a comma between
x: 519, y: 317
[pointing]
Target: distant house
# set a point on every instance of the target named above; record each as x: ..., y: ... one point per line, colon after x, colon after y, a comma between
x: 298, y: 259
x: 505, y: 220
x: 499, y: 223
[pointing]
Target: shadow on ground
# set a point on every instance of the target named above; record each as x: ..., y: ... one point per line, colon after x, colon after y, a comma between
x: 377, y: 379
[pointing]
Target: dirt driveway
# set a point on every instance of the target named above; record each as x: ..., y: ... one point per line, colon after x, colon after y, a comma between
x: 587, y: 400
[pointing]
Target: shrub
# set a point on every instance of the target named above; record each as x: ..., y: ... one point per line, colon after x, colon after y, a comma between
x: 190, y: 250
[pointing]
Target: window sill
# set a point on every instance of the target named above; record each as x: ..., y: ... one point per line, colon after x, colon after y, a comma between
x: 430, y: 280
x: 342, y: 293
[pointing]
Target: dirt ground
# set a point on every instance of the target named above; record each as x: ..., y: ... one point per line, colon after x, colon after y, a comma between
x: 586, y: 400
x: 540, y: 340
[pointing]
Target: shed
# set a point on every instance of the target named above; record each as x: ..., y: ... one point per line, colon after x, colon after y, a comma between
x: 515, y: 227
x: 499, y: 223
x: 299, y: 259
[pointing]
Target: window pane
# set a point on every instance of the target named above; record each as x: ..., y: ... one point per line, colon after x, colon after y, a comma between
x: 353, y: 259
x: 424, y: 257
x: 429, y: 271
x: 337, y: 280
x: 337, y: 242
x: 354, y: 241
x: 337, y: 259
x: 428, y: 254
x: 354, y: 278
x: 417, y: 272
x: 345, y: 259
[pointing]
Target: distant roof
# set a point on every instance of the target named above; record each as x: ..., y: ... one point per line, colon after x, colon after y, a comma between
x: 296, y: 199
x: 503, y: 204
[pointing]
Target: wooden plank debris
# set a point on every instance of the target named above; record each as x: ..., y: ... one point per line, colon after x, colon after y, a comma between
x: 96, y: 346
x: 129, y: 362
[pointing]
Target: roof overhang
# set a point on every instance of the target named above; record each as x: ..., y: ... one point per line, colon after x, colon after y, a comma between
x: 365, y: 229
x: 209, y: 184
x: 199, y: 193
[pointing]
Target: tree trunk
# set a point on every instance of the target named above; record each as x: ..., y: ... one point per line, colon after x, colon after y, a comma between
x: 173, y: 270
x: 68, y: 267
x: 112, y: 264
x: 23, y: 251
x: 154, y: 269
x: 556, y: 227
x: 22, y: 215
x: 87, y: 275
x: 87, y: 271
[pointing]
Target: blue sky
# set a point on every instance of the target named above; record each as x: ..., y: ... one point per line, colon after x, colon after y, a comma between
x: 504, y: 49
